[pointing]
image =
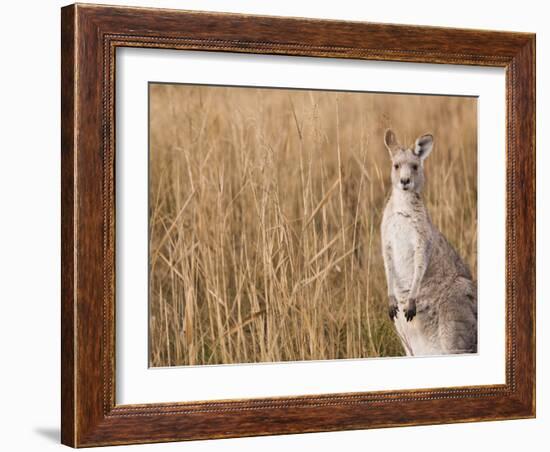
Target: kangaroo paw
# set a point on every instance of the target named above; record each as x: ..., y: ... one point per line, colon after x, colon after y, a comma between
x: 393, y: 309
x: 410, y: 312
x: 393, y: 312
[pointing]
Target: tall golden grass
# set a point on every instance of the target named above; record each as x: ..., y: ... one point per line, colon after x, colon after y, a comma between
x: 265, y: 209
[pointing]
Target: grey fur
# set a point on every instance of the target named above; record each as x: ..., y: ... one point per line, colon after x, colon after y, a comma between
x: 432, y: 295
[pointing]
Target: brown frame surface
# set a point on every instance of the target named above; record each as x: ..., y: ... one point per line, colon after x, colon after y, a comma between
x: 90, y: 35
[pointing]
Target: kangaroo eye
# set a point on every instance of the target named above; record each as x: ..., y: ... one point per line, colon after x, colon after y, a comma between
x: 415, y: 167
x: 396, y: 166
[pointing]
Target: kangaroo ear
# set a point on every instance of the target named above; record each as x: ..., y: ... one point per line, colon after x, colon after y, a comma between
x: 423, y: 146
x: 390, y: 140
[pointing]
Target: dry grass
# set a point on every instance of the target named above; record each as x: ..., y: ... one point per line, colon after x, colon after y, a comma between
x: 265, y: 209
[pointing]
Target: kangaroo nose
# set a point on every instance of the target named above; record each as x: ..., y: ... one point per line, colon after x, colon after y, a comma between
x: 405, y: 181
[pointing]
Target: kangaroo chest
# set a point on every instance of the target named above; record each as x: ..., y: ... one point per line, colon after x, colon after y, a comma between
x: 402, y: 236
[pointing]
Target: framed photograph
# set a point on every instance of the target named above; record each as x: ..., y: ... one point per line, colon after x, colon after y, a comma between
x: 280, y: 225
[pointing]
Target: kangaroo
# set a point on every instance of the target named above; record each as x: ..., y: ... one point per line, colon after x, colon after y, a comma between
x: 426, y: 278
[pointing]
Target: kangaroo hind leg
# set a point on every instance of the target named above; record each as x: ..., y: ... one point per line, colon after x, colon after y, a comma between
x: 458, y: 320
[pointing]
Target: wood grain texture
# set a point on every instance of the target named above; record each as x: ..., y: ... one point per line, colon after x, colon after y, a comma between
x: 68, y: 310
x: 90, y: 36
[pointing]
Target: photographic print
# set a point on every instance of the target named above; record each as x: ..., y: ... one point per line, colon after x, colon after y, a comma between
x: 293, y: 224
x: 276, y: 225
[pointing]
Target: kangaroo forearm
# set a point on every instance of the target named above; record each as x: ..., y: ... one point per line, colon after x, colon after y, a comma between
x: 421, y: 260
x: 417, y: 281
x: 391, y: 289
x: 388, y: 267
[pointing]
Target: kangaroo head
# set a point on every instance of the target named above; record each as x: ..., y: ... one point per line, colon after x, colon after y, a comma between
x: 407, y: 172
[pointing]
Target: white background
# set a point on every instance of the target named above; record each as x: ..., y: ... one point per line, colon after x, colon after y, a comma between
x: 29, y: 247
x: 138, y: 384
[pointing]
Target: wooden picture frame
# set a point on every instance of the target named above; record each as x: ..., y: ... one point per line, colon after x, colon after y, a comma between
x: 90, y: 35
